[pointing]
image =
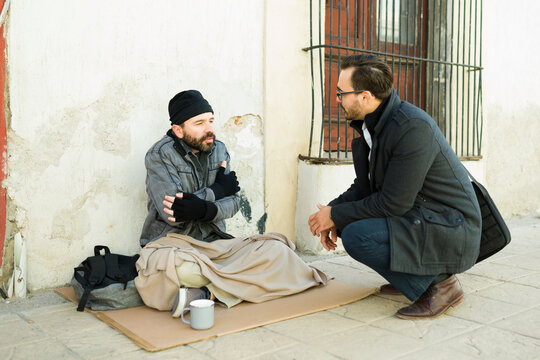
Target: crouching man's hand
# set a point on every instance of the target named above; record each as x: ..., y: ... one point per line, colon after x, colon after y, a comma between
x: 321, y: 221
x: 329, y: 239
x: 188, y: 207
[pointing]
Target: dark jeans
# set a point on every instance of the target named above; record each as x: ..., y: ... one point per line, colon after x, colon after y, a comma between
x: 368, y: 242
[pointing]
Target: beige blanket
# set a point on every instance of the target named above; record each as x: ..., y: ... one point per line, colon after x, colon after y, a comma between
x: 256, y: 269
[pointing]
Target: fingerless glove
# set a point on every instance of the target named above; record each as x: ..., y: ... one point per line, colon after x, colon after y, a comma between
x: 190, y: 207
x: 225, y: 184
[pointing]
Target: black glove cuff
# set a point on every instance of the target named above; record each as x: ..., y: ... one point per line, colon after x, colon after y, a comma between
x: 211, y: 211
x: 218, y: 190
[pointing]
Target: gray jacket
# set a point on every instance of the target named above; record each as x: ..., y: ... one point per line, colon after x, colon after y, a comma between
x: 172, y: 167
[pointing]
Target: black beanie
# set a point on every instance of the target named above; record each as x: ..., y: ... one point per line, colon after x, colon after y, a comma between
x: 187, y: 104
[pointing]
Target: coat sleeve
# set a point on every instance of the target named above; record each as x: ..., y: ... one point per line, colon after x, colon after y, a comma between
x: 354, y: 192
x: 412, y: 154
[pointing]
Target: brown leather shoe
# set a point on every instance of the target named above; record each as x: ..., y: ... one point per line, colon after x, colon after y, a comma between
x: 435, y: 301
x: 389, y: 289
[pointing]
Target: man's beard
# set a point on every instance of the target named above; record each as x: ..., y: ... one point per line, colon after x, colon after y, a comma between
x: 200, y: 144
x: 353, y: 113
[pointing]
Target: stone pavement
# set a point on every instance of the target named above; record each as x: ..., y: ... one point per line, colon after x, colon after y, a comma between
x: 499, y: 319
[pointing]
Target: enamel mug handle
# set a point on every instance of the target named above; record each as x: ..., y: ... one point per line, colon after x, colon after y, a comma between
x: 183, y: 312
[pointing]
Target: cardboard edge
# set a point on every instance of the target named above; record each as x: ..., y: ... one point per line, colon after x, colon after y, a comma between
x: 128, y: 333
x: 147, y: 346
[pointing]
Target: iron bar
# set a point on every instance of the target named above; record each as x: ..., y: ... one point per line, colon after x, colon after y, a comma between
x: 330, y: 81
x: 338, y: 144
x: 393, y: 42
x: 469, y: 77
x: 312, y: 76
x: 321, y: 78
x: 450, y: 75
x: 348, y: 42
x: 367, y: 51
x: 410, y: 36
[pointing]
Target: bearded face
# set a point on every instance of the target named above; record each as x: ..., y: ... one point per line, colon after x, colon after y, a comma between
x: 204, y: 143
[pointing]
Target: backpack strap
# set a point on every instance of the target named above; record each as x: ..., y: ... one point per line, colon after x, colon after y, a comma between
x: 93, y: 275
x: 98, y: 248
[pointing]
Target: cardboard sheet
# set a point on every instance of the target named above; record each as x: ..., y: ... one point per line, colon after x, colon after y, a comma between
x: 155, y: 330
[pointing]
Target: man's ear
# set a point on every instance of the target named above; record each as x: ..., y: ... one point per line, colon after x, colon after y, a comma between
x: 178, y: 131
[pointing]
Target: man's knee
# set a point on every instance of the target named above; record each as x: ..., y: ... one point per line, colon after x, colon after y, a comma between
x: 189, y: 275
x: 365, y: 238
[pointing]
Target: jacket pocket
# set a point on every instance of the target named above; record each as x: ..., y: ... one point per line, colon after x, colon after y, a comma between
x: 187, y: 180
x: 444, y: 236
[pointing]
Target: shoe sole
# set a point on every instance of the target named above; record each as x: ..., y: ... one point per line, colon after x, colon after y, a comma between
x: 177, y: 312
x: 454, y: 304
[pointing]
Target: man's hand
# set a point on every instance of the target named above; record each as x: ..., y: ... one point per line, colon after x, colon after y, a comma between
x: 329, y: 239
x: 186, y: 206
x: 225, y: 184
x: 321, y: 221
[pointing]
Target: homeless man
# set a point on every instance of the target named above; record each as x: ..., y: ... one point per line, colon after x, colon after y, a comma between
x: 411, y: 213
x: 187, y: 253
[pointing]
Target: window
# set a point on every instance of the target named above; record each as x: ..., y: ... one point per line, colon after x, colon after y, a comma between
x: 434, y: 49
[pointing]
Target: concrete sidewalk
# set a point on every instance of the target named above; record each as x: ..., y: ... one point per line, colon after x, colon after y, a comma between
x: 499, y: 319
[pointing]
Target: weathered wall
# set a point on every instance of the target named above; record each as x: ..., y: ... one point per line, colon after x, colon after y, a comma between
x: 287, y: 91
x: 89, y: 84
x: 512, y: 105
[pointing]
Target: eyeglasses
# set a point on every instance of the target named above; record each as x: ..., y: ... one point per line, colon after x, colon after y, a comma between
x: 340, y: 94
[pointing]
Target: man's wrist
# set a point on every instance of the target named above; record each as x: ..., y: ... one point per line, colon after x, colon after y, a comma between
x: 218, y: 190
x: 211, y: 211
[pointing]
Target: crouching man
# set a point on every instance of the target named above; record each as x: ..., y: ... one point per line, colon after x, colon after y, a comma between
x: 411, y: 214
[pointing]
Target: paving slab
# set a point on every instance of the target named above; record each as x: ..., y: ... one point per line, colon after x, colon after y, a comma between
x: 429, y: 331
x: 530, y: 280
x: 19, y: 332
x: 92, y: 344
x: 43, y: 349
x: 525, y: 323
x: 309, y: 327
x: 483, y: 310
x: 499, y: 271
x: 65, y: 322
x: 182, y: 352
x: 367, y: 342
x: 523, y: 295
x: 244, y: 345
x: 473, y: 283
x: 369, y: 309
x: 486, y: 343
x: 298, y: 352
x: 523, y: 261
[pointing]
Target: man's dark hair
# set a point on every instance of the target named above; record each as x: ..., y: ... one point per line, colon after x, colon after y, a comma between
x: 370, y: 73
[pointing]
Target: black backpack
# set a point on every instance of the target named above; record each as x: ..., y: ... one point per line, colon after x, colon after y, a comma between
x: 105, y: 282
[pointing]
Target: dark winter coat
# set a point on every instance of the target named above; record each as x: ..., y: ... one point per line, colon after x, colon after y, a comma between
x: 418, y: 184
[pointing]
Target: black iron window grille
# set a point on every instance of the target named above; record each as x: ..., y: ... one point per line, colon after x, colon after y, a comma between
x: 435, y: 51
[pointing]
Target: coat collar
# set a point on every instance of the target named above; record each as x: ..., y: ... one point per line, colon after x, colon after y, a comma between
x: 376, y: 120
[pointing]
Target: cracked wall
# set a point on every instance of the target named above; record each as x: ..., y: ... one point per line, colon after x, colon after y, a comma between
x: 89, y: 87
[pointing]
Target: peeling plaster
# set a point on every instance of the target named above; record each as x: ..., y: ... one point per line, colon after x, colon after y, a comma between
x: 245, y: 143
